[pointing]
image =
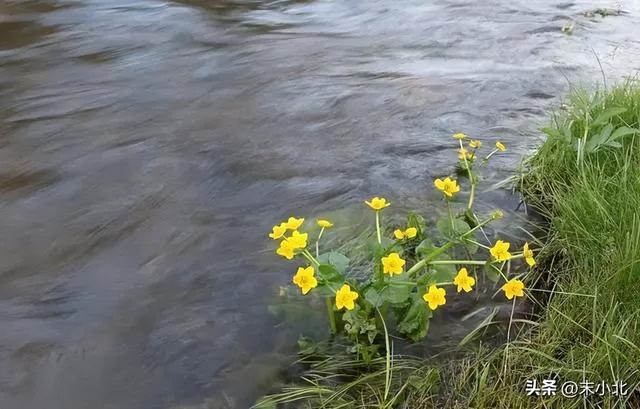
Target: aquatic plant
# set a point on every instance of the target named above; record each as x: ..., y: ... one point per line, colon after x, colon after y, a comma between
x: 412, y: 268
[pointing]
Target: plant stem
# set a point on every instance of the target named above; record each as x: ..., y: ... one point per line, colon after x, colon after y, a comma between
x: 309, y: 257
x: 478, y: 244
x: 506, y: 349
x: 472, y: 193
x: 444, y: 248
x: 471, y: 179
x: 378, y: 227
x: 332, y: 316
x: 387, y: 374
x: 431, y: 256
x: 402, y: 283
x: 471, y: 262
x: 450, y: 215
x: 478, y: 226
x: 490, y: 155
x: 445, y: 283
x: 318, y: 241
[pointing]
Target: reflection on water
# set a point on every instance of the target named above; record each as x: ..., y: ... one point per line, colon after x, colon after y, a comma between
x: 147, y: 146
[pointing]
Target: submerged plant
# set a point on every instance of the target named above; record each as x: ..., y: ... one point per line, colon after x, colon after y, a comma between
x: 411, y: 269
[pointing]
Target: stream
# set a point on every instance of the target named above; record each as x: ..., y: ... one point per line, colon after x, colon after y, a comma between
x: 148, y: 146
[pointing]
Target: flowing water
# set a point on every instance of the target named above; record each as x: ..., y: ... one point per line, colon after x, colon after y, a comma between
x: 147, y: 146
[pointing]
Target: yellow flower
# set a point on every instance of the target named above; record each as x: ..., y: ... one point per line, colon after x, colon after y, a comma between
x: 392, y: 264
x: 500, y: 251
x: 278, y: 231
x: 378, y: 203
x: 463, y: 153
x: 447, y: 186
x: 298, y: 240
x: 305, y: 279
x: 435, y: 297
x: 285, y: 250
x: 501, y: 146
x: 464, y: 281
x: 325, y: 224
x: 459, y: 135
x: 409, y: 233
x: 475, y: 144
x: 293, y: 223
x: 513, y: 288
x: 497, y: 214
x: 528, y: 255
x: 345, y: 298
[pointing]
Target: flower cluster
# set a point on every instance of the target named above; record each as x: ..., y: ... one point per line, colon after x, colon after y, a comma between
x: 408, y: 272
x: 467, y: 154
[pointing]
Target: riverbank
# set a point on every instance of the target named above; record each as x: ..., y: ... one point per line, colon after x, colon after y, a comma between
x: 585, y: 181
x: 582, y: 347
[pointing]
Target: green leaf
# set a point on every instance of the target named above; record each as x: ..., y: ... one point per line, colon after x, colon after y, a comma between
x: 422, y: 282
x: 357, y: 322
x: 338, y: 260
x: 594, y: 143
x: 373, y: 297
x: 492, y: 272
x: 399, y: 277
x: 324, y: 290
x: 622, y: 132
x: 452, y: 229
x: 438, y: 272
x: 472, y: 248
x: 443, y: 273
x: 417, y: 221
x: 553, y: 133
x: 425, y: 247
x: 351, y: 322
x: 396, y: 294
x: 376, y: 250
x: 567, y: 132
x: 328, y: 272
x: 372, y: 334
x: 387, y: 243
x: 415, y: 321
x: 607, y: 114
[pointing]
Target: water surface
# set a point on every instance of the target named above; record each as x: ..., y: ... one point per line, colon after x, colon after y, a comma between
x: 147, y: 146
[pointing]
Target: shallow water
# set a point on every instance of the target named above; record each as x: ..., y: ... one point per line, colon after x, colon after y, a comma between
x: 148, y: 146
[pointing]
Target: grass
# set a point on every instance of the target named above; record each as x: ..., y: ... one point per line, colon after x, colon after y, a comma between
x: 341, y: 383
x: 337, y: 380
x: 589, y: 328
x: 585, y: 183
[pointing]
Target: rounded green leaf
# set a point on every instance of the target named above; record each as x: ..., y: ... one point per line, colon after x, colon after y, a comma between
x: 328, y: 272
x: 373, y: 297
x: 396, y: 294
x: 425, y: 247
x: 452, y: 229
x: 338, y: 260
